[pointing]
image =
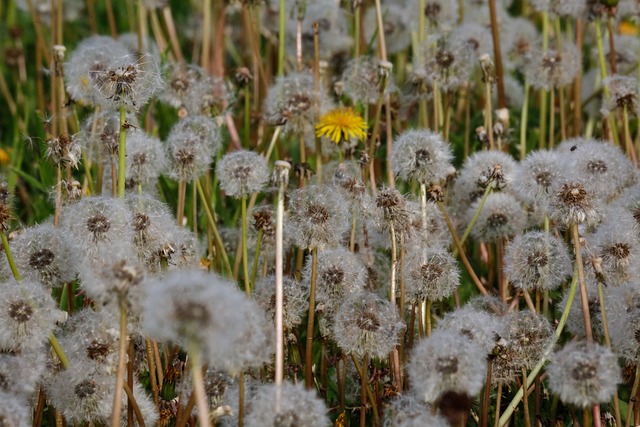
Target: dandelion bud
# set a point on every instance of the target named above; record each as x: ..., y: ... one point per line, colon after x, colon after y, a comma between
x: 242, y: 173
x: 243, y: 76
x: 584, y: 374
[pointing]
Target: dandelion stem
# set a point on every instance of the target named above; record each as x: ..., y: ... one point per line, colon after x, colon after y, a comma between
x: 152, y: 373
x: 634, y: 390
x: 463, y: 256
x: 122, y: 353
x: 523, y: 120
x: 504, y: 418
x: 198, y: 387
x: 525, y: 400
x: 245, y: 256
x: 57, y: 348
x: 584, y: 298
x: 171, y: 30
x: 502, y: 102
x: 256, y: 257
x: 628, y: 141
x: 467, y: 230
x: 8, y: 254
x: 363, y: 392
x: 486, y: 396
x: 281, y: 39
x: 552, y: 117
x: 395, y: 359
x: 206, y: 35
x: 283, y: 177
x: 241, y: 400
x: 488, y: 113
x: 214, y: 228
x: 362, y: 371
x: 308, y: 356
x: 134, y: 404
x: 122, y: 151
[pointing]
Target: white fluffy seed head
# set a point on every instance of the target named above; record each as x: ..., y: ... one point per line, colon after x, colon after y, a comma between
x: 192, y: 144
x: 584, y: 374
x: 447, y: 362
x: 431, y: 274
x: 421, y: 155
x: 242, y: 173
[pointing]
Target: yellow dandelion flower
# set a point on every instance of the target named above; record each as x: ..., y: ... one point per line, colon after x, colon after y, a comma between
x: 341, y: 124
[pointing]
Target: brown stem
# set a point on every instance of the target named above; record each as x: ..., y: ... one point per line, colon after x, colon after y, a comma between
x: 134, y: 405
x: 171, y: 29
x: 525, y: 399
x: 577, y: 86
x: 152, y: 373
x: 129, y: 383
x: 486, y: 398
x: 584, y: 298
x: 112, y: 20
x: 308, y: 372
x: 363, y: 392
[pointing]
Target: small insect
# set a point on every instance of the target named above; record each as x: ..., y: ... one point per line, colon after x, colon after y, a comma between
x: 573, y: 148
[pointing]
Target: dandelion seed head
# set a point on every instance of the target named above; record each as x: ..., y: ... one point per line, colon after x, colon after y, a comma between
x: 501, y: 217
x: 365, y: 79
x: 573, y: 204
x: 396, y: 25
x: 431, y: 274
x: 421, y: 155
x: 584, y: 374
x: 553, y: 68
x: 242, y: 172
x: 192, y: 143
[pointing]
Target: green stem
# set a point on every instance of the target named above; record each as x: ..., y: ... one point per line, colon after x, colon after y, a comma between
x: 245, y: 256
x: 214, y: 228
x: 504, y: 418
x: 247, y: 116
x: 122, y: 152
x: 607, y: 340
x: 57, y: 348
x: 523, y: 121
x: 7, y: 251
x: 281, y: 38
x: 467, y: 231
x: 122, y: 355
x: 372, y: 399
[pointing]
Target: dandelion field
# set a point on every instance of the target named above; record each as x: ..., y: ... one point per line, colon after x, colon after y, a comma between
x: 301, y: 213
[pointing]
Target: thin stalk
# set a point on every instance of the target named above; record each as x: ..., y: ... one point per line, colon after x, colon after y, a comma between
x: 152, y: 373
x: 525, y: 399
x: 363, y: 391
x: 198, y: 387
x: 357, y: 12
x: 486, y: 396
x: 129, y: 384
x: 283, y: 178
x: 214, y: 228
x: 607, y: 340
x: 245, y: 256
x: 281, y: 39
x: 381, y: 41
x: 112, y: 19
x: 628, y: 141
x: 543, y: 118
x: 498, y: 405
x: 247, y: 117
x: 584, y: 299
x: 9, y: 255
x: 634, y: 390
x: 256, y: 257
x: 495, y: 34
x: 206, y: 35
x: 423, y: 206
x: 362, y: 371
x: 563, y: 117
x: 463, y: 256
x: 308, y: 356
x: 182, y: 190
x: 57, y: 349
x: 134, y: 405
x: 171, y: 30
x: 504, y: 418
x: 122, y: 152
x: 577, y: 86
x: 397, y: 372
x: 427, y: 316
x: 488, y: 113
x: 467, y: 230
x: 352, y: 237
x: 552, y: 117
x: 372, y: 141
x: 122, y: 355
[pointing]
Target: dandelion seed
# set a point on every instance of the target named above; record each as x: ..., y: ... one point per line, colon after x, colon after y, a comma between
x: 242, y: 172
x: 367, y: 324
x: 407, y: 411
x: 537, y: 261
x: 421, y: 155
x: 431, y: 274
x: 391, y: 207
x: 19, y: 374
x: 622, y: 306
x: 584, y: 374
x: 446, y: 362
x: 28, y: 315
x: 263, y: 410
x: 146, y: 160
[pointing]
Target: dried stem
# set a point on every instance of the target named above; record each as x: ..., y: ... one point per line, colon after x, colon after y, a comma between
x: 584, y: 298
x: 122, y: 356
x: 308, y: 356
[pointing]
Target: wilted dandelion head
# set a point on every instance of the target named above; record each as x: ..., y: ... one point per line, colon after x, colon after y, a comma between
x: 365, y: 78
x: 421, y: 155
x: 584, y: 374
x: 242, y: 172
x: 537, y: 260
x: 501, y: 217
x: 43, y: 254
x: 193, y: 143
x: 431, y: 274
x: 262, y: 410
x: 339, y: 274
x: 317, y: 218
x: 446, y: 362
x: 64, y: 150
x: 573, y: 204
x: 367, y: 324
x: 293, y: 103
x: 391, y: 208
x: 28, y: 314
x: 553, y: 68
